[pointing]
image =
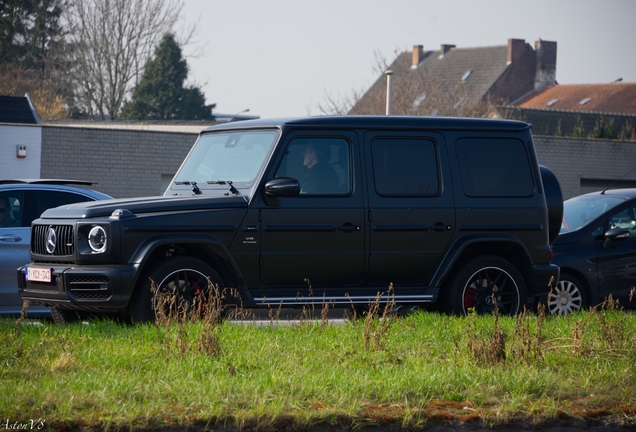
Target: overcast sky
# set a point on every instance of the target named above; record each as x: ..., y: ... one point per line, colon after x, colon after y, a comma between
x: 279, y: 58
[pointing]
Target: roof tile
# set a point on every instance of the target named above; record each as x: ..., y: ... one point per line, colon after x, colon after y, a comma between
x: 617, y: 98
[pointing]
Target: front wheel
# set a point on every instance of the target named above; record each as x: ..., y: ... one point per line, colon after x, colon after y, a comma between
x: 189, y: 281
x: 567, y: 297
x: 64, y: 316
x: 485, y: 284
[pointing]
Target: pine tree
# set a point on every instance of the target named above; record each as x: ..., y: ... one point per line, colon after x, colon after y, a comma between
x: 161, y: 95
x: 30, y: 32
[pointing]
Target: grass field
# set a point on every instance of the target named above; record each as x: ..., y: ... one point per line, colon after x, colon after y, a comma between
x: 411, y: 371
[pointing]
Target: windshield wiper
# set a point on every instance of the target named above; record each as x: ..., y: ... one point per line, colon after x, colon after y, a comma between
x: 195, y: 188
x: 222, y: 182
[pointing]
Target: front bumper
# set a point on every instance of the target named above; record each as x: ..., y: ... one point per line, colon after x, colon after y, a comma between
x: 89, y: 288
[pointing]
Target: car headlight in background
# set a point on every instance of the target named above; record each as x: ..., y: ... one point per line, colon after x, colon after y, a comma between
x: 97, y: 239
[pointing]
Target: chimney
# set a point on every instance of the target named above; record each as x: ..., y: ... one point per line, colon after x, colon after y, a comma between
x: 515, y: 48
x: 446, y: 48
x: 418, y: 55
x: 546, y: 53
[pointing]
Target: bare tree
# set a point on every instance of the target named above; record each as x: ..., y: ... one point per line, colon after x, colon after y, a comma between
x: 339, y: 104
x: 112, y: 41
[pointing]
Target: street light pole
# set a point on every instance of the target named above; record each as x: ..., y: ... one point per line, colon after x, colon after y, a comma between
x: 388, y: 91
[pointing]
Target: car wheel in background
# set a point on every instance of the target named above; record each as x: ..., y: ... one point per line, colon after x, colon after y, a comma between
x: 568, y: 296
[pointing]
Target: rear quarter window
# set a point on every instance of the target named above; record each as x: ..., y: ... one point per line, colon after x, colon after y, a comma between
x: 494, y: 167
x: 405, y: 167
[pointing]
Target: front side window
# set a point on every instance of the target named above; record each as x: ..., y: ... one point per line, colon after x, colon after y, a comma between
x: 11, y: 207
x: 405, y: 167
x: 625, y: 219
x: 321, y: 165
x: 236, y: 157
x: 494, y: 167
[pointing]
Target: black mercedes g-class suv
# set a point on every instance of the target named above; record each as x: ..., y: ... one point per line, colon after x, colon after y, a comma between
x: 452, y: 211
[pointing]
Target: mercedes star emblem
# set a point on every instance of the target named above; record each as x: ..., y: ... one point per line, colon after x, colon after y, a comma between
x: 51, y: 240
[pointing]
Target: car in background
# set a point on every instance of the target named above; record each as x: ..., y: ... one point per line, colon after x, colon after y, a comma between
x: 596, y: 251
x: 22, y: 201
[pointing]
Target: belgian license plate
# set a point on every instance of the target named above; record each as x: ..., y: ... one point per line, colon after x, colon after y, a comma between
x: 36, y: 274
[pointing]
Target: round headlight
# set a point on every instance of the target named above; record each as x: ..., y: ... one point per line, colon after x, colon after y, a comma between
x: 97, y: 239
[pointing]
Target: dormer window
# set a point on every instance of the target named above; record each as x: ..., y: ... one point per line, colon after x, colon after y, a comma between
x: 418, y: 101
x: 584, y: 101
x: 552, y: 102
x: 466, y: 75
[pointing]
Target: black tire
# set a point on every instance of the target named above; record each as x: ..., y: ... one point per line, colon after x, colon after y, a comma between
x: 485, y: 283
x: 183, y: 275
x: 64, y: 316
x: 567, y: 296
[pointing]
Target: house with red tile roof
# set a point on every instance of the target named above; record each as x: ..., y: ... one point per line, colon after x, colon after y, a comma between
x: 613, y: 98
x: 499, y: 74
x: 560, y: 108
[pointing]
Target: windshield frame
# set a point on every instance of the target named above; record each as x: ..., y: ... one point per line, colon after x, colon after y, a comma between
x: 192, y: 169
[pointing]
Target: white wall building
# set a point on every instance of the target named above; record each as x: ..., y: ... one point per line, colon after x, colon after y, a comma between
x: 20, y: 139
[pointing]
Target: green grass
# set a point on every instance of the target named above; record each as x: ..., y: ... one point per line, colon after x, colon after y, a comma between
x: 408, y: 371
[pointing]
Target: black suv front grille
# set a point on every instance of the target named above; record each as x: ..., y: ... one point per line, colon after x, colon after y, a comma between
x: 42, y: 286
x: 63, y: 240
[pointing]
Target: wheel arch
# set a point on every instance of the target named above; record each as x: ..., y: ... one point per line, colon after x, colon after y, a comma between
x: 504, y: 246
x: 205, y: 248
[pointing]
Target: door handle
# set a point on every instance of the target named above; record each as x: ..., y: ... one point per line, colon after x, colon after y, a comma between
x: 440, y: 227
x: 11, y: 238
x: 348, y: 227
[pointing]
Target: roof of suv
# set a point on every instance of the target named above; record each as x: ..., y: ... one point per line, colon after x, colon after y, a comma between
x: 370, y: 122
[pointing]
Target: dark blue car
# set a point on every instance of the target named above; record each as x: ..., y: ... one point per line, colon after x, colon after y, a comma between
x: 596, y: 251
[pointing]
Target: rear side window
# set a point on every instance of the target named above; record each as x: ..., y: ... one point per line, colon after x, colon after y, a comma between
x: 494, y: 167
x: 405, y: 167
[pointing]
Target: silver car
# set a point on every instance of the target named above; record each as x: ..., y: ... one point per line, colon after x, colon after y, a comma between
x: 22, y: 201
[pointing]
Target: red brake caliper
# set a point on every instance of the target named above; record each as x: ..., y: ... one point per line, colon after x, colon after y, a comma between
x: 197, y: 291
x: 469, y: 298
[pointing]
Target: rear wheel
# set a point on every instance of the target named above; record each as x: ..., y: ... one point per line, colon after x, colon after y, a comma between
x: 484, y: 284
x: 185, y: 279
x: 567, y: 297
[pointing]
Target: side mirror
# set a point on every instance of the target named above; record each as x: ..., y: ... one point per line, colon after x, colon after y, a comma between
x: 282, y: 187
x: 614, y: 235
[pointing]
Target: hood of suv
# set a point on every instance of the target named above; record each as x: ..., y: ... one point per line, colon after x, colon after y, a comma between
x: 144, y: 205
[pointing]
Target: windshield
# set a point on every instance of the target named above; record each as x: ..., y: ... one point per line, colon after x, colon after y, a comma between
x: 220, y: 158
x: 579, y: 211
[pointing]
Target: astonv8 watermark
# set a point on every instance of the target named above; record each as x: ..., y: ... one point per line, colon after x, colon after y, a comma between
x: 30, y: 424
